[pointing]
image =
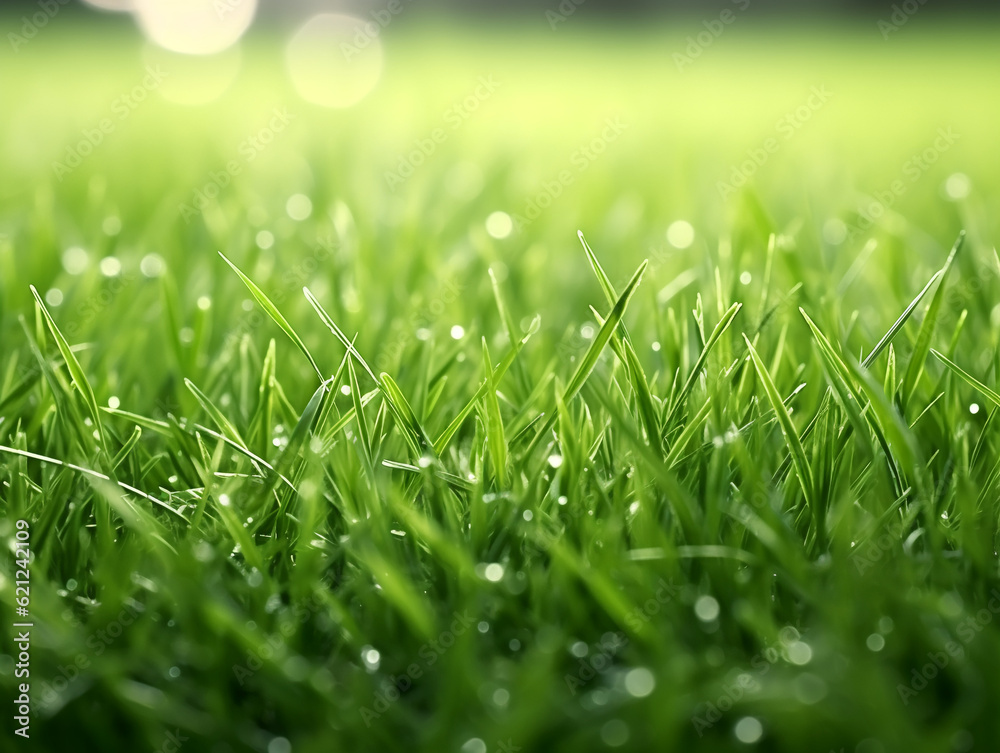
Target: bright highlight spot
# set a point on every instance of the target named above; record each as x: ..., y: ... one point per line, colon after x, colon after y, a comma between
x: 974, y: 408
x: 334, y: 61
x: 299, y: 207
x: 640, y: 682
x: 279, y: 745
x: 834, y: 231
x: 680, y: 234
x: 152, y: 265
x: 195, y: 27
x: 499, y: 225
x: 54, y: 297
x: 265, y: 239
x: 706, y: 608
x: 957, y: 186
x: 494, y: 572
x: 457, y: 332
x: 110, y: 266
x: 75, y: 260
x: 875, y: 642
x: 800, y: 653
x: 748, y: 730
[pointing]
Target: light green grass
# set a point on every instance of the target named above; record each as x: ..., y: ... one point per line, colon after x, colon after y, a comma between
x: 642, y: 494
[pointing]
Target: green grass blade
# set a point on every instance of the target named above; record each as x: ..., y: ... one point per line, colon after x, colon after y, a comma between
x: 792, y: 439
x: 692, y: 427
x: 366, y: 440
x: 496, y: 440
x: 75, y: 371
x: 916, y: 365
x: 992, y: 396
x: 332, y: 326
x: 411, y: 429
x: 446, y: 436
x: 898, y: 324
x: 590, y: 359
x: 713, y: 339
x: 272, y: 311
x: 225, y: 425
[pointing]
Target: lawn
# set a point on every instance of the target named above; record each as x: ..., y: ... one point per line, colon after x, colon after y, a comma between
x: 570, y: 392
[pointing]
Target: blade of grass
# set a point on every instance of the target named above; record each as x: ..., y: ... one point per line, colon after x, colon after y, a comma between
x: 916, y: 365
x: 494, y: 427
x: 272, y: 311
x: 224, y: 424
x: 75, y: 370
x: 713, y: 339
x: 992, y: 396
x: 792, y: 440
x: 446, y: 436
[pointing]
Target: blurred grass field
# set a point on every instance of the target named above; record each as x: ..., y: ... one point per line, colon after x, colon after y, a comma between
x: 656, y: 557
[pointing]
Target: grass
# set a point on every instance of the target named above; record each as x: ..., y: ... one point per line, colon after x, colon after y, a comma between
x: 392, y: 483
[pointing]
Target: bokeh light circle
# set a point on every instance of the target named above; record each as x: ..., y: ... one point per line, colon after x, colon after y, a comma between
x: 195, y: 27
x: 335, y: 60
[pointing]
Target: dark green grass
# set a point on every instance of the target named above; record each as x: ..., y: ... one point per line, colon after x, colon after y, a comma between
x: 639, y: 505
